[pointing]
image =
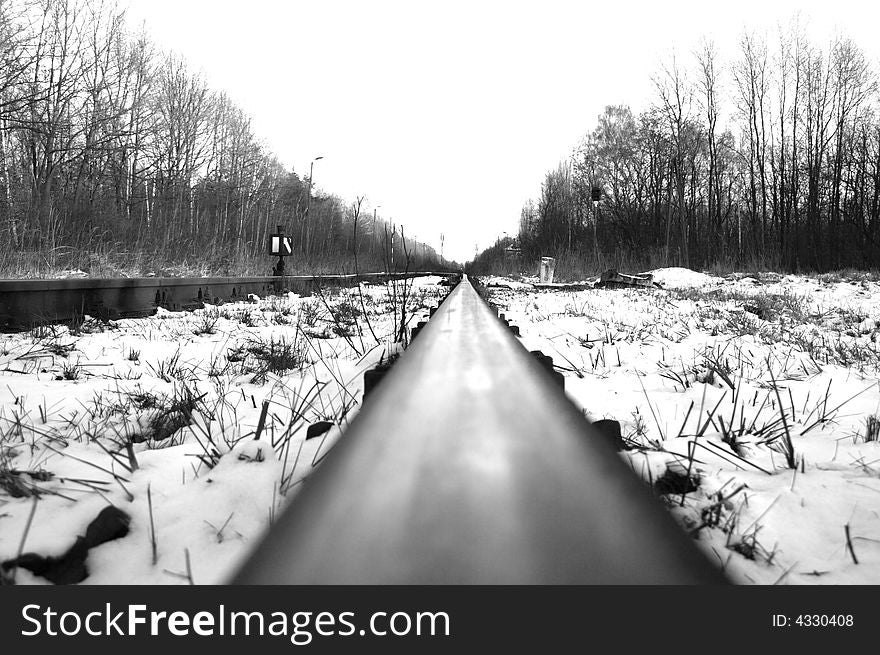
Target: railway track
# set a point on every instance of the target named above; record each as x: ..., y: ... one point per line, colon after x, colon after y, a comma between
x: 468, y: 464
x: 26, y: 303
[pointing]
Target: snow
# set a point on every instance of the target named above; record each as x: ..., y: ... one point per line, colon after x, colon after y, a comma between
x: 659, y: 361
x: 681, y: 278
x: 492, y: 281
x: 70, y: 401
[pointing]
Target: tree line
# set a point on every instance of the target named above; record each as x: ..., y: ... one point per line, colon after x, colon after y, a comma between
x: 768, y: 159
x: 111, y: 148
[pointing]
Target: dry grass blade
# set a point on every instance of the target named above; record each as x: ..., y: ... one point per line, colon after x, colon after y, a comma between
x: 849, y: 545
x: 24, y: 536
x: 716, y: 450
x: 651, y: 407
x: 787, y: 445
x: 152, y: 526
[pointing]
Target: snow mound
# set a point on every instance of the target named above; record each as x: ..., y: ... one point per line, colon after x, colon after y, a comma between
x: 510, y: 283
x: 77, y: 273
x: 254, y: 451
x: 681, y: 278
x: 428, y: 280
x: 867, y: 326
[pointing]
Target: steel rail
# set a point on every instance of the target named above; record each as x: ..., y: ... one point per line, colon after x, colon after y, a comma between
x: 469, y: 465
x: 25, y: 303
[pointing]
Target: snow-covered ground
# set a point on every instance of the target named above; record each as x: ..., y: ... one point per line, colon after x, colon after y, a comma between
x: 766, y: 390
x: 711, y: 376
x: 158, y: 417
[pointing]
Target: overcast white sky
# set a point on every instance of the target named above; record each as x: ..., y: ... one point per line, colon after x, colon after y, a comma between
x: 448, y: 114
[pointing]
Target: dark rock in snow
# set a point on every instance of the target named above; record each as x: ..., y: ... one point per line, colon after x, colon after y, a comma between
x: 317, y: 429
x: 676, y: 480
x: 111, y: 523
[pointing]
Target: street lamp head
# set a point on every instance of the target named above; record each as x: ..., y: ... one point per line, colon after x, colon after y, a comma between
x: 317, y: 158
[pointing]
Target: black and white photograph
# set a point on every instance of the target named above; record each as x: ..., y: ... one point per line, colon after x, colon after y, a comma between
x: 439, y: 293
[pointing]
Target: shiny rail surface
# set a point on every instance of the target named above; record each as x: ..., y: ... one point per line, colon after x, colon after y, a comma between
x: 25, y: 303
x: 469, y: 465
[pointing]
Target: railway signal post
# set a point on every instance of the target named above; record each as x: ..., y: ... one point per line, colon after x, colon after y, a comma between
x: 281, y: 246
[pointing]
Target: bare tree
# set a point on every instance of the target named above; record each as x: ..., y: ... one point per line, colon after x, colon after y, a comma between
x: 676, y: 99
x: 750, y: 74
x: 707, y: 60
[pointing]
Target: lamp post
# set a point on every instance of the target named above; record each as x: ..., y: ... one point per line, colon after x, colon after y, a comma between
x: 309, y: 206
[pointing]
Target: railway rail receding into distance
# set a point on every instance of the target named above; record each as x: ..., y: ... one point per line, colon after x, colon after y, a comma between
x: 469, y: 465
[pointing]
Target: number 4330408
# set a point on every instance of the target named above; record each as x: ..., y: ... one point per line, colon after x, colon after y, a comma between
x: 813, y: 620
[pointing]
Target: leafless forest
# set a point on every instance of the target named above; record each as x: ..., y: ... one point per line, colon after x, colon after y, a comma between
x: 766, y: 159
x: 116, y: 156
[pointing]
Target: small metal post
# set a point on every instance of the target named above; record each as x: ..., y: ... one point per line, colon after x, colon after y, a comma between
x: 278, y: 269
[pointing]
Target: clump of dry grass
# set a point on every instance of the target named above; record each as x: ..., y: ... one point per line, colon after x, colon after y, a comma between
x: 872, y: 428
x: 173, y: 369
x: 207, y: 323
x: 70, y: 371
x: 276, y: 355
